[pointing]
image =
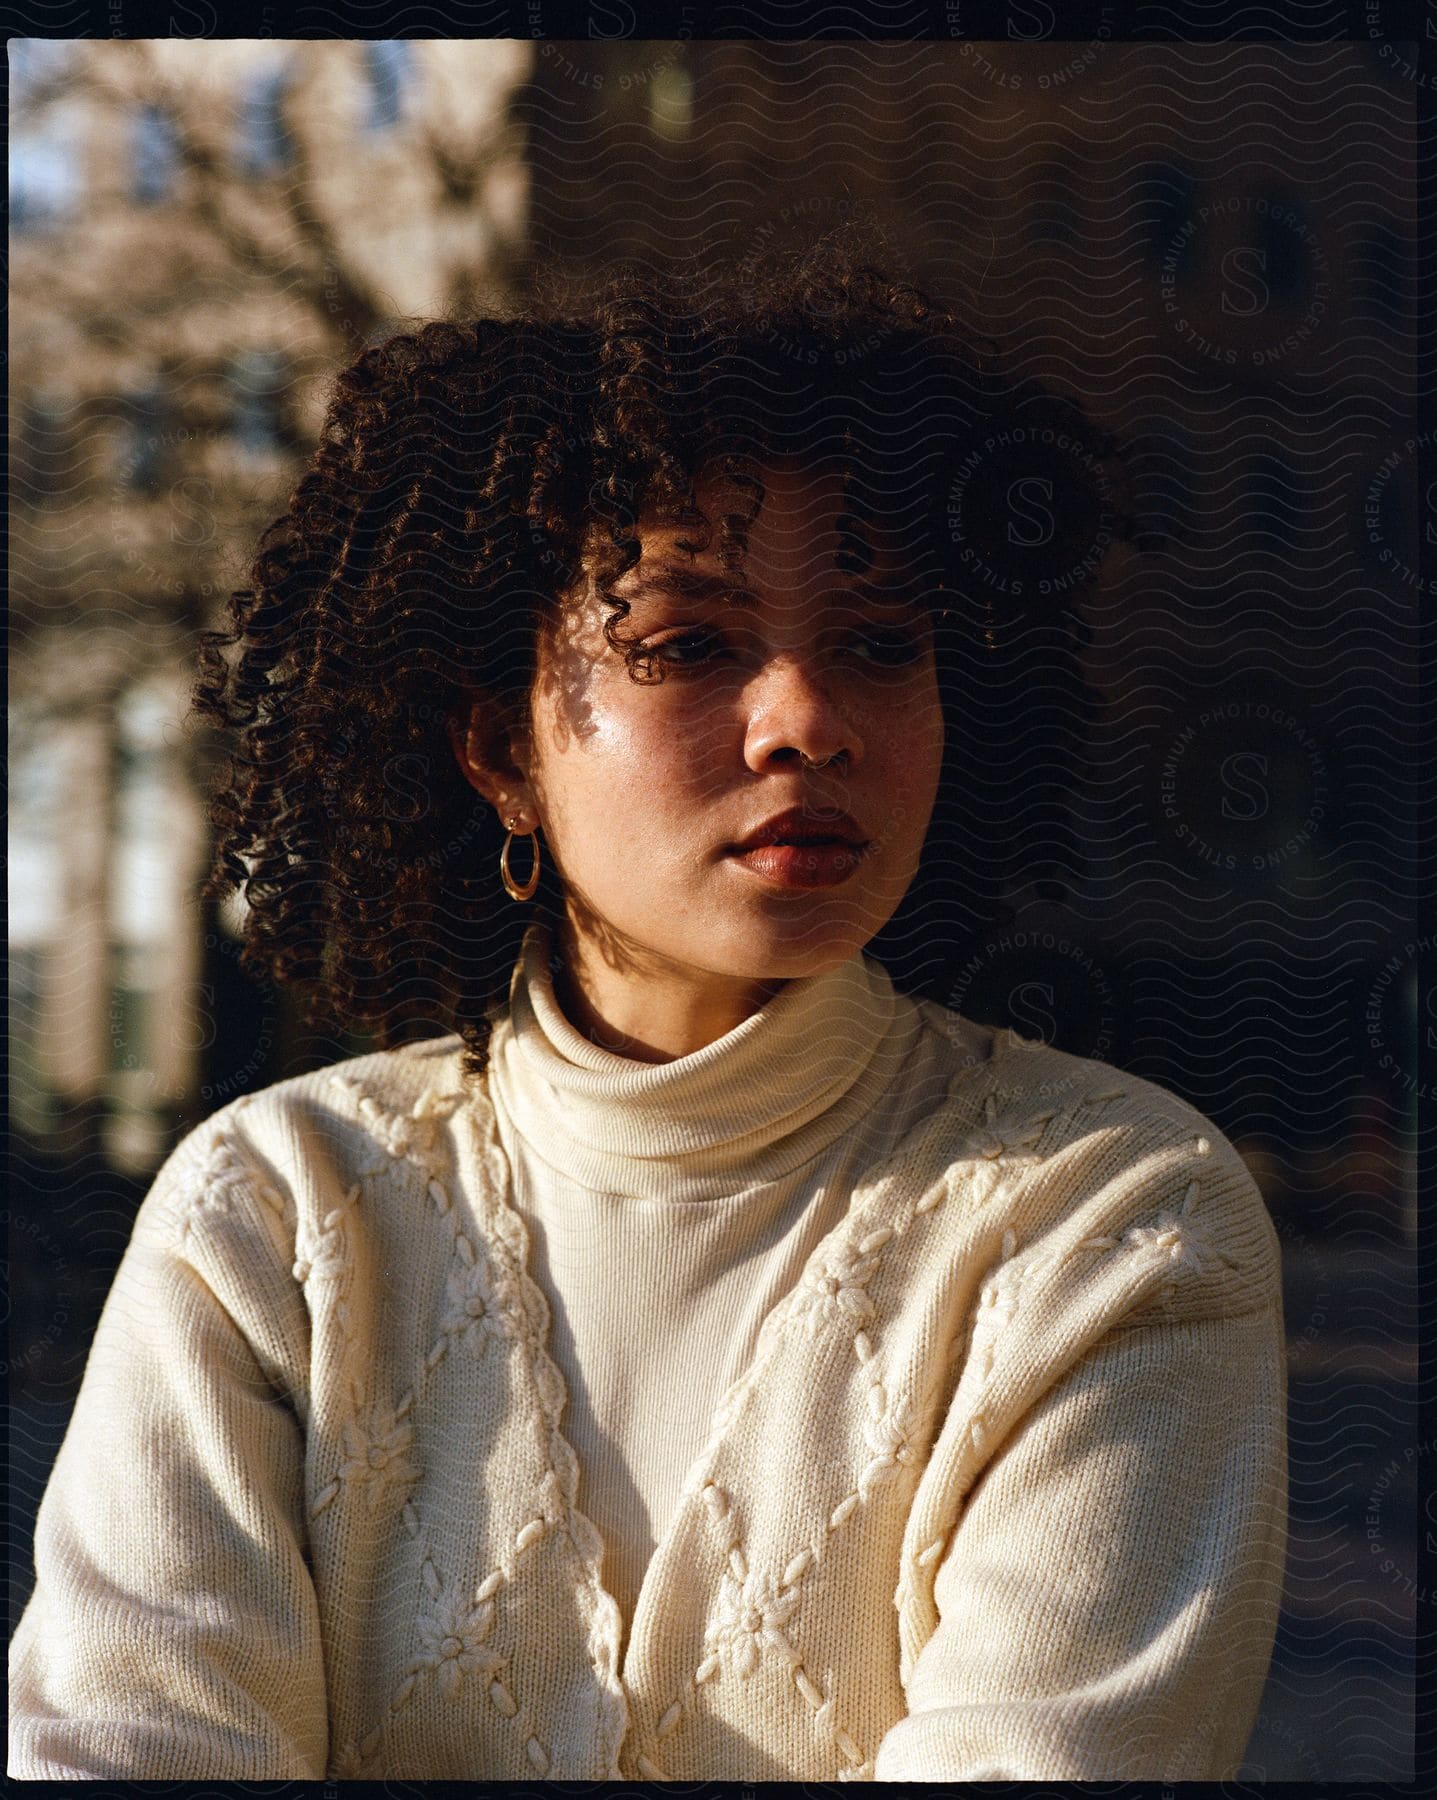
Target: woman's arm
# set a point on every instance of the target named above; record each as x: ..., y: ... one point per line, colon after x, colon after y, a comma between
x: 1108, y: 1599
x: 173, y: 1632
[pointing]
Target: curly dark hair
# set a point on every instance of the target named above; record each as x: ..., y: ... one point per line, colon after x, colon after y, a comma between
x: 469, y: 473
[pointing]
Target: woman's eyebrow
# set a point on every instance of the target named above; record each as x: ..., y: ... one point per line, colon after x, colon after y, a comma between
x: 689, y: 584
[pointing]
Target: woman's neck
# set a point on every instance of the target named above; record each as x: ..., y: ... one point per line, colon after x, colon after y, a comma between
x: 741, y: 1110
x: 650, y: 1010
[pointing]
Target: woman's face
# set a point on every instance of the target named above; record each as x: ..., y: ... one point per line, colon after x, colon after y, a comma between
x: 644, y: 789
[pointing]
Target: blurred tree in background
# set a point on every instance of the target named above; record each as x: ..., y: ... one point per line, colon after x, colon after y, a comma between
x: 204, y: 231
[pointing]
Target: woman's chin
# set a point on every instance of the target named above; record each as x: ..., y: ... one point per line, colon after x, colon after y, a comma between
x: 788, y: 948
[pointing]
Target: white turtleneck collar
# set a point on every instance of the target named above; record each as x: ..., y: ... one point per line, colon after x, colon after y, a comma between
x: 744, y: 1110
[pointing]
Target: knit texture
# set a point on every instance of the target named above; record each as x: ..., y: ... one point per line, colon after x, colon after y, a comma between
x: 996, y: 1489
x: 685, y: 1199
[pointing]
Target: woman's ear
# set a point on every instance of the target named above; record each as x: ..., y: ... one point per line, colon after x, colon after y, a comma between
x: 483, y: 747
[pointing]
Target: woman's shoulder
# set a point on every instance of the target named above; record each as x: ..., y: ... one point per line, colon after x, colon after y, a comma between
x: 1092, y: 1153
x: 1029, y: 1076
x: 320, y: 1131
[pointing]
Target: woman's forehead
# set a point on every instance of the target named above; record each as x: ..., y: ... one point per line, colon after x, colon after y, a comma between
x: 887, y: 582
x: 799, y: 522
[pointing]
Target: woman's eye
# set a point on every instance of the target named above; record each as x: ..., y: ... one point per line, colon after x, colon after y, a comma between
x: 888, y: 648
x: 684, y: 650
x: 892, y: 647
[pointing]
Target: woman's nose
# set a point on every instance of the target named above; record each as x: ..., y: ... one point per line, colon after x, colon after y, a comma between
x: 792, y: 713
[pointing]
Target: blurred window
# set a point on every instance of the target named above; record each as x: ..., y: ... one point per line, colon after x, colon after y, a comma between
x: 38, y: 771
x: 143, y: 451
x: 265, y: 145
x: 34, y: 62
x: 44, y: 180
x: 156, y: 155
x: 130, y: 1008
x: 389, y: 64
x: 37, y: 783
x: 257, y: 385
x: 143, y: 902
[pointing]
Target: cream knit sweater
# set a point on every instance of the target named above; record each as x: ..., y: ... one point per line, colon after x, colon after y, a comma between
x: 865, y: 1395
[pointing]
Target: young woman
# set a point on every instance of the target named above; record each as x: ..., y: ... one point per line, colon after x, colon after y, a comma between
x: 714, y: 1358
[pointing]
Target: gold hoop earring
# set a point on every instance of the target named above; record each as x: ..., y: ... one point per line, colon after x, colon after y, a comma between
x: 511, y: 887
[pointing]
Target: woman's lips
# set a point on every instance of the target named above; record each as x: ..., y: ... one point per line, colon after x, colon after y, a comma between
x: 802, y: 865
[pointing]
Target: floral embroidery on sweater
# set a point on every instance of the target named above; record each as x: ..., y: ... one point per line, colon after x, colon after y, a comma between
x: 753, y: 1609
x: 411, y: 1136
x: 1173, y: 1242
x: 892, y: 1432
x: 459, y: 1638
x: 1172, y: 1239
x: 223, y: 1180
x: 754, y: 1613
x: 377, y: 1454
x: 997, y: 1303
x: 834, y: 1291
x: 452, y: 1634
x: 480, y: 1304
x: 488, y: 1295
x: 325, y: 1256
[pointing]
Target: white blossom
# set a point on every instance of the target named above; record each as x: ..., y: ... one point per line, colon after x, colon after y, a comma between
x: 452, y: 1634
x: 751, y: 1616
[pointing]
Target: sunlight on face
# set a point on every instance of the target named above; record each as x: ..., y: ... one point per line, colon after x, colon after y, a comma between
x: 645, y: 787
